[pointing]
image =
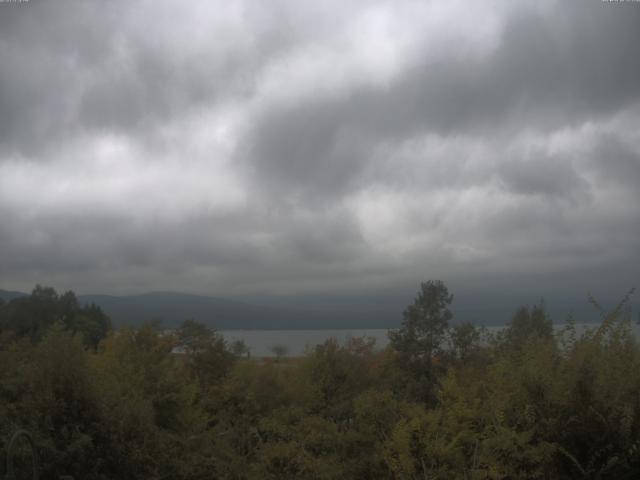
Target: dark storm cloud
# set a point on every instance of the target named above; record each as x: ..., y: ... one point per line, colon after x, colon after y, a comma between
x: 541, y: 175
x: 551, y: 69
x: 240, y: 245
x: 617, y: 163
x: 71, y: 67
x: 311, y: 149
x: 44, y: 49
x: 233, y: 147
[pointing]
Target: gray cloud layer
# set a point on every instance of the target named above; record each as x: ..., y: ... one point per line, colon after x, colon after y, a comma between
x: 232, y: 148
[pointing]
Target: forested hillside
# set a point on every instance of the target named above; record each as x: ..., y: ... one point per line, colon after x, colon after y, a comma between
x: 441, y: 402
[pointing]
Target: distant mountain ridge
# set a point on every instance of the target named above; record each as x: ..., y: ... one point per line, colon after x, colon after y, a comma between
x: 7, y: 295
x: 172, y: 308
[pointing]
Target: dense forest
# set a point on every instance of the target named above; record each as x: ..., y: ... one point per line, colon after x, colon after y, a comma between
x: 442, y: 401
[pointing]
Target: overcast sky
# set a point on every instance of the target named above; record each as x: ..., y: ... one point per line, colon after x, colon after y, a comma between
x: 296, y: 147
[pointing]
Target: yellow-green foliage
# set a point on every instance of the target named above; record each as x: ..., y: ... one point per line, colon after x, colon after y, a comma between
x: 525, y: 405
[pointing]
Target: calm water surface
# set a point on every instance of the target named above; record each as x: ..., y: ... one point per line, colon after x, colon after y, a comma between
x: 296, y: 341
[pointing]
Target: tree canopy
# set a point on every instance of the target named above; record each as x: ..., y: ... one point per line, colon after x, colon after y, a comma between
x: 151, y: 404
x: 419, y: 341
x: 31, y: 316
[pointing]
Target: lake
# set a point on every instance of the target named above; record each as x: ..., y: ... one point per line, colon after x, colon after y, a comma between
x: 296, y: 341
